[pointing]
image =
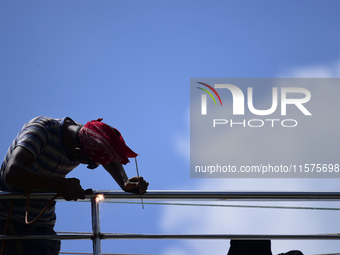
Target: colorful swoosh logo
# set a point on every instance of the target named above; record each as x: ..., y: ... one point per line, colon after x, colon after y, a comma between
x: 209, y: 93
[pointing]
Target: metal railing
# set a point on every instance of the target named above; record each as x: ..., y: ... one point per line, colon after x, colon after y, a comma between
x: 96, y: 236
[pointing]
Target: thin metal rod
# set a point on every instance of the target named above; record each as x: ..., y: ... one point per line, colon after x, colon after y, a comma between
x: 141, y: 198
x: 195, y: 195
x: 90, y: 253
x: 219, y: 236
x: 47, y: 237
x: 95, y: 226
x: 223, y: 195
x: 335, y: 236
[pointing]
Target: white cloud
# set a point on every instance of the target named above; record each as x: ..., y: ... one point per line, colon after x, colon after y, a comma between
x: 182, y: 140
x: 213, y: 220
x: 315, y: 71
x: 226, y: 220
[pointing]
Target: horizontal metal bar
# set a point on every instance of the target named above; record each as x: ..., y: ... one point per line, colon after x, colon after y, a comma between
x: 173, y: 236
x: 91, y: 253
x: 194, y: 195
x: 223, y: 195
x: 74, y: 233
x: 219, y: 236
x: 48, y: 237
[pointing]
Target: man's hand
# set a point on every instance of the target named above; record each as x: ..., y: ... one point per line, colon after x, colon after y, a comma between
x: 70, y: 189
x: 136, y: 185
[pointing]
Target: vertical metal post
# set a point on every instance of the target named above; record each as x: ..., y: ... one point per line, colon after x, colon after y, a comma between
x: 95, y: 226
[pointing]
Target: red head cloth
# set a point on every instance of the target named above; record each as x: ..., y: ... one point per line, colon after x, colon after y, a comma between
x: 102, y: 144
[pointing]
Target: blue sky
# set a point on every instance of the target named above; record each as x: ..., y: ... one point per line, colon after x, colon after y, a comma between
x: 130, y: 62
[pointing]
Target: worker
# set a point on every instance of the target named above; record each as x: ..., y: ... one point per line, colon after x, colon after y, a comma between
x: 254, y: 247
x: 38, y: 160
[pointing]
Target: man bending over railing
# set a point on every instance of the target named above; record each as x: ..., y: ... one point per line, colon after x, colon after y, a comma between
x: 40, y: 157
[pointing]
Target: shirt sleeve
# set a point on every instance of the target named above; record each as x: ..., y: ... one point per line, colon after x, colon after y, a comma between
x: 33, y: 137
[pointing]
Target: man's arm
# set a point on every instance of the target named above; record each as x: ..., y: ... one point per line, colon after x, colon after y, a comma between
x: 133, y: 185
x: 18, y: 174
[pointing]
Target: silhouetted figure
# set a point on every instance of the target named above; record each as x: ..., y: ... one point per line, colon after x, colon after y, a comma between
x: 254, y: 247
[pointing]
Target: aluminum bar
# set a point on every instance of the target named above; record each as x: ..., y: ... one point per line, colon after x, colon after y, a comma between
x: 48, y: 237
x: 223, y: 195
x: 95, y: 226
x: 173, y: 236
x: 220, y: 236
x: 195, y: 195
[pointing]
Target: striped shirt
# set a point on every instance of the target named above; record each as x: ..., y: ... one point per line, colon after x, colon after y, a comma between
x: 42, y: 136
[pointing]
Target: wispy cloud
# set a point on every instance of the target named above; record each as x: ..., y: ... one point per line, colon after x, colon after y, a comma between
x: 313, y: 71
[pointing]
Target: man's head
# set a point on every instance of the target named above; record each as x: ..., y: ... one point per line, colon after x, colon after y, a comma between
x: 103, y: 143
